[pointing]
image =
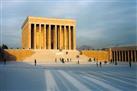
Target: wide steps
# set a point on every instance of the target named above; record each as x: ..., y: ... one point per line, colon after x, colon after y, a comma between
x: 52, y: 56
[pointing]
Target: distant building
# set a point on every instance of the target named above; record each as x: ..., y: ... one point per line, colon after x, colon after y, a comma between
x: 49, y: 33
x: 124, y: 54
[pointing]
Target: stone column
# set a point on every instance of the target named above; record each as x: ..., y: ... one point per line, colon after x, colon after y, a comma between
x: 55, y: 37
x: 69, y: 30
x: 29, y: 36
x: 121, y: 52
x: 114, y: 56
x: 135, y: 56
x: 44, y: 44
x: 131, y: 55
x: 117, y: 55
x: 40, y: 36
x: 65, y: 42
x: 59, y: 36
x: 74, y: 37
x: 125, y: 55
x: 122, y: 55
x: 128, y: 55
x: 67, y: 37
x: 35, y: 36
x: 49, y: 37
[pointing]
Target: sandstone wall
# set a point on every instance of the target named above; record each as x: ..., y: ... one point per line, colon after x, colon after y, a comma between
x: 21, y: 54
x: 16, y: 54
x: 97, y: 54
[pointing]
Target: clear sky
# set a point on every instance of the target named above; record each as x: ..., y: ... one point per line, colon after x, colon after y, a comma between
x: 100, y: 23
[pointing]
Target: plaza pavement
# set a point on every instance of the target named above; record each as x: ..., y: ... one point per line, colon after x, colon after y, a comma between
x: 67, y: 77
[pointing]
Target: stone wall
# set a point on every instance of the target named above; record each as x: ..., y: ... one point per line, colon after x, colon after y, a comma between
x: 16, y: 54
x: 21, y: 54
x: 99, y: 55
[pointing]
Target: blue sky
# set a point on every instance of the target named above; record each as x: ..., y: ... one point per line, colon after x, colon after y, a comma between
x: 100, y: 23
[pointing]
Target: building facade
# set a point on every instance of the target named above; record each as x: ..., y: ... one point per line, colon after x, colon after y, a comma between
x: 49, y: 33
x: 124, y: 54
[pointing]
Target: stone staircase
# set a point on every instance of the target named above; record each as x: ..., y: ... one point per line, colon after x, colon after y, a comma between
x: 49, y: 56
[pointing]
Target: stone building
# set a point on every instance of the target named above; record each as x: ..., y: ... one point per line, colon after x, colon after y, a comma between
x: 49, y: 33
x: 124, y: 54
x: 54, y: 34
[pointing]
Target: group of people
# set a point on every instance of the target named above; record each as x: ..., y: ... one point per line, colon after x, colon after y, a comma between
x: 100, y: 64
x: 63, y: 60
x: 116, y: 63
x: 69, y: 60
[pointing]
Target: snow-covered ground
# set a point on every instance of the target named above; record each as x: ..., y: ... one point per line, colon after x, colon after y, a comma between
x: 67, y: 77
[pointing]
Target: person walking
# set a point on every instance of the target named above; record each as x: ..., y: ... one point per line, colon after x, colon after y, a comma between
x: 116, y: 63
x: 35, y: 62
x: 4, y: 61
x: 100, y: 63
x: 97, y: 64
x: 78, y: 61
x: 55, y: 60
x: 130, y: 63
x: 63, y: 61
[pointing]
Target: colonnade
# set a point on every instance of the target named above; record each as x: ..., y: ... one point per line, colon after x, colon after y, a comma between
x: 124, y: 55
x: 49, y: 36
